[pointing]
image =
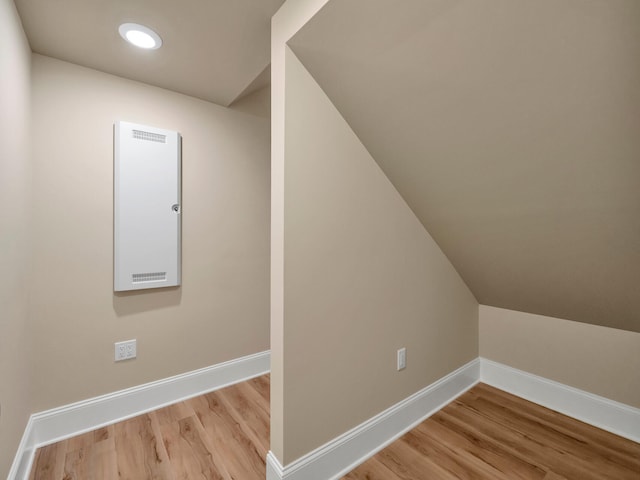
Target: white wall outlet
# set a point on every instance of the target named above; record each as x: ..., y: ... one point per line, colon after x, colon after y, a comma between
x: 125, y: 350
x: 402, y: 358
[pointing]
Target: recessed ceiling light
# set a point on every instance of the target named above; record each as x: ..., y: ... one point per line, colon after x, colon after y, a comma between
x: 140, y: 36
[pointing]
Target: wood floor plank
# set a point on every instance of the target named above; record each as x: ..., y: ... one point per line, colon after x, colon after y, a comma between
x: 554, y: 476
x: 408, y: 464
x: 615, y: 448
x: 140, y: 451
x: 174, y: 413
x: 262, y: 385
x: 522, y: 445
x: 489, y: 453
x: 447, y: 460
x: 80, y: 441
x: 49, y: 461
x: 455, y: 459
x: 103, y: 433
x: 580, y: 451
x: 498, y: 455
x: 242, y: 459
x: 97, y: 461
x: 251, y: 412
x: 187, y: 451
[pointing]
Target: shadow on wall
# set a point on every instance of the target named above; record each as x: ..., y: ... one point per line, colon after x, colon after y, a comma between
x: 137, y: 301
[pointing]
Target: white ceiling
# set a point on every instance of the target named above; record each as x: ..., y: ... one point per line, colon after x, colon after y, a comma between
x: 212, y: 49
x: 512, y: 129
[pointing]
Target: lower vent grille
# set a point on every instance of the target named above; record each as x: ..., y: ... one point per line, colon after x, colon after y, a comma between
x: 149, y: 277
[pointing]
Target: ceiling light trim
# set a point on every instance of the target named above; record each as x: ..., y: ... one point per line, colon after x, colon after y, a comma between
x: 140, y: 36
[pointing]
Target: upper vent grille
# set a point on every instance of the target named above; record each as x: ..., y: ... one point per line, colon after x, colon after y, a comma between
x: 149, y: 277
x: 150, y: 136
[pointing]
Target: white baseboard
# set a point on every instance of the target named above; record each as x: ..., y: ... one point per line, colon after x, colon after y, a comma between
x: 341, y: 455
x: 344, y: 453
x: 59, y: 423
x: 274, y: 469
x: 600, y: 412
x: 21, y: 466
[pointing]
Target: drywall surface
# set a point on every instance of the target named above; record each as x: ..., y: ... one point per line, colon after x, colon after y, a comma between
x: 600, y: 360
x: 255, y: 103
x: 15, y: 179
x: 220, y: 312
x: 288, y: 20
x: 211, y: 49
x: 511, y: 130
x: 362, y: 278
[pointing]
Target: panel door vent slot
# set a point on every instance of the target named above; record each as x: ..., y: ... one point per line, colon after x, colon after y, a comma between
x: 149, y: 136
x: 149, y: 277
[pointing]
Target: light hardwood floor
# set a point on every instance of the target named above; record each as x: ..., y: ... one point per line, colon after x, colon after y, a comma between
x: 484, y: 434
x: 220, y: 435
x: 489, y: 434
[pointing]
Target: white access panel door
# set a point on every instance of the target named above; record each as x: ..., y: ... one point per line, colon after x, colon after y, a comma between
x: 147, y: 213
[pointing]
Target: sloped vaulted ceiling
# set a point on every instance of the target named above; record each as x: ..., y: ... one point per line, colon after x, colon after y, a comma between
x: 215, y: 50
x: 512, y: 129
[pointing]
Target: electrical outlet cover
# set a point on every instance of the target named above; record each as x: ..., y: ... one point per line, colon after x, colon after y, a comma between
x: 402, y: 358
x: 125, y: 350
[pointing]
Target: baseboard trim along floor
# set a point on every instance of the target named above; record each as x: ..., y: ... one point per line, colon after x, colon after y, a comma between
x: 609, y: 415
x: 64, y: 422
x: 344, y: 453
x: 341, y: 455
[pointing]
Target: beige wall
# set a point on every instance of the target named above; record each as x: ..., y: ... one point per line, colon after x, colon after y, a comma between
x: 15, y: 177
x: 289, y: 18
x: 362, y: 278
x: 221, y: 310
x: 257, y: 103
x: 512, y: 130
x: 600, y: 360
